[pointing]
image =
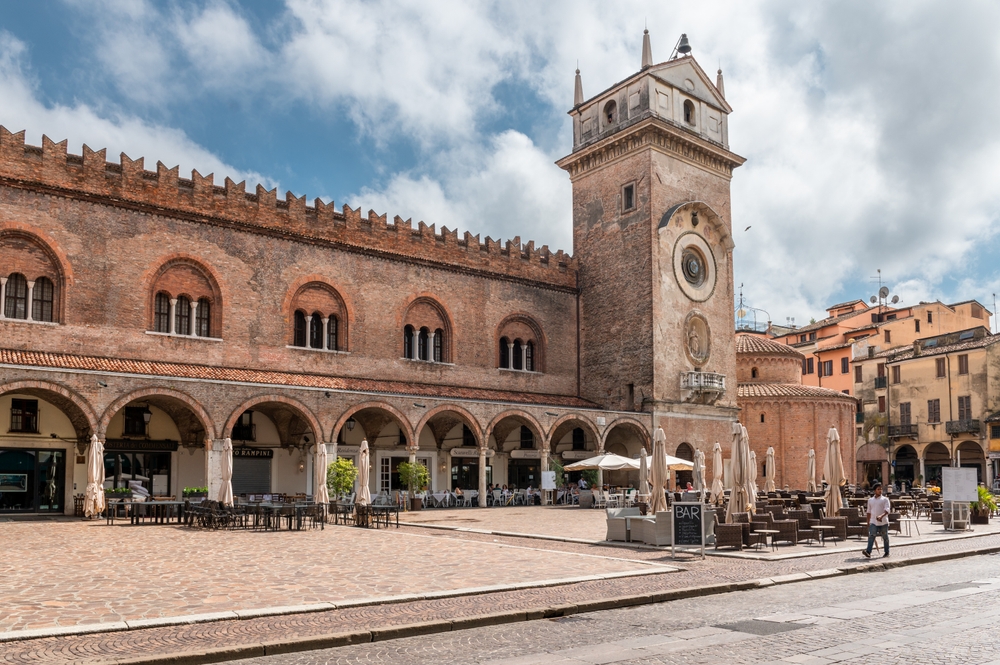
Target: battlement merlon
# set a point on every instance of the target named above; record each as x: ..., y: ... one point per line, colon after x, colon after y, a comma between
x: 89, y: 176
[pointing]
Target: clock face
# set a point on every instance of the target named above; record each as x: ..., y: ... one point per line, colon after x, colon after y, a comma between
x: 694, y: 266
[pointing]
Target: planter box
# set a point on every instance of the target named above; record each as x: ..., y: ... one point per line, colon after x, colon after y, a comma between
x: 979, y: 519
x: 416, y: 503
x: 196, y: 497
x: 118, y: 495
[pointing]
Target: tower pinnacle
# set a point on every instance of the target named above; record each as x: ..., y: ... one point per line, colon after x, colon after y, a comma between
x: 578, y: 89
x: 720, y: 84
x: 647, y: 51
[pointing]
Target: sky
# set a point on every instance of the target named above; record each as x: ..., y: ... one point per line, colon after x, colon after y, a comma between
x: 869, y: 129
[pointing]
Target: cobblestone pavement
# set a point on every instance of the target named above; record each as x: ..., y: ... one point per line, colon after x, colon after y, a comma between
x: 73, y: 572
x: 104, y: 647
x: 933, y: 613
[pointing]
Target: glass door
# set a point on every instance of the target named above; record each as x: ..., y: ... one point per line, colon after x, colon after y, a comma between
x: 51, y: 479
x: 17, y: 480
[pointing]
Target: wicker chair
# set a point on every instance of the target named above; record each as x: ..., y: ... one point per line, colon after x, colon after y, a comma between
x: 749, y: 537
x: 839, y: 524
x: 894, y: 524
x: 729, y: 535
x: 854, y: 525
x: 789, y: 531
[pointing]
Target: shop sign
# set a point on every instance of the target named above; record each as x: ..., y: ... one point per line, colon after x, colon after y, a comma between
x: 348, y: 450
x: 140, y: 444
x: 577, y: 454
x: 468, y: 452
x: 526, y: 454
x: 994, y: 455
x: 253, y: 453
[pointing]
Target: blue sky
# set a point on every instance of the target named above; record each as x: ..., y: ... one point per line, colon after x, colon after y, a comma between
x: 868, y: 127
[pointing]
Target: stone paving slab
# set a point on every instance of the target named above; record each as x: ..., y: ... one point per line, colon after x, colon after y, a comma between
x: 205, y: 642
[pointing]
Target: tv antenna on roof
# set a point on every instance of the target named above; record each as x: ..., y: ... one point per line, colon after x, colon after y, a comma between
x: 883, y: 299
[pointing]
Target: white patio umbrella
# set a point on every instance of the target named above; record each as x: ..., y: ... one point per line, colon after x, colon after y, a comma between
x: 833, y: 473
x: 753, y: 475
x: 226, y: 490
x: 811, y: 471
x: 718, y: 491
x: 364, y: 497
x: 93, y: 502
x: 740, y: 498
x: 769, y: 471
x: 320, y: 493
x: 699, y: 474
x: 659, y: 473
x: 605, y: 462
x: 643, y: 474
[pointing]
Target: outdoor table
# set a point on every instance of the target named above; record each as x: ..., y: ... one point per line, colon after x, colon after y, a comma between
x: 441, y: 498
x: 769, y: 534
x: 343, y: 511
x: 821, y: 530
x: 908, y: 521
x: 111, y: 507
x: 159, y: 512
x: 381, y: 515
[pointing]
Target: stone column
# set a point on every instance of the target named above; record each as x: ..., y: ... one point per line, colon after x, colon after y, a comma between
x: 31, y: 290
x: 172, y: 323
x: 194, y: 318
x: 3, y: 297
x: 524, y: 357
x: 414, y: 344
x: 326, y: 333
x: 600, y: 472
x: 430, y: 347
x: 545, y: 467
x: 922, y: 472
x: 482, y: 476
x: 510, y: 355
x: 213, y: 467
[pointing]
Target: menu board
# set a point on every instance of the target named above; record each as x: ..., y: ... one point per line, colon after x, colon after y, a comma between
x: 687, y: 523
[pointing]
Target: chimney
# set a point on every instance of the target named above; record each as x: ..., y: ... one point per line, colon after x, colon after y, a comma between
x: 917, y: 347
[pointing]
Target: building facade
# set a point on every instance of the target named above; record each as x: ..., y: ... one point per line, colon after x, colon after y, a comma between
x: 779, y: 411
x: 165, y: 314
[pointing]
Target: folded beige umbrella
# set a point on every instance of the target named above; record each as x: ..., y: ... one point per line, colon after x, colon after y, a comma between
x: 93, y: 502
x: 659, y: 473
x: 753, y: 475
x: 833, y: 473
x: 699, y: 473
x: 769, y: 471
x: 364, y: 497
x: 226, y: 490
x: 740, y: 500
x: 643, y: 474
x: 811, y: 472
x: 320, y: 494
x: 718, y: 491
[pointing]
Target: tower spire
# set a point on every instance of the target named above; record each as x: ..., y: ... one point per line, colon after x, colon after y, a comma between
x: 578, y: 88
x: 647, y: 51
x: 720, y: 84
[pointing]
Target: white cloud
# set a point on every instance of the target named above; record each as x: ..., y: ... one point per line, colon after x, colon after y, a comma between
x: 21, y: 109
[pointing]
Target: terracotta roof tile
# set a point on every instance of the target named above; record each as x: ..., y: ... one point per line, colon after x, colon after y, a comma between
x: 750, y: 390
x: 348, y: 384
x: 749, y: 344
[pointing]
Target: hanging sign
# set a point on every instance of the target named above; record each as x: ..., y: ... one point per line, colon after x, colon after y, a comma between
x: 468, y: 452
x: 140, y: 444
x: 348, y: 450
x: 525, y: 454
x: 577, y: 454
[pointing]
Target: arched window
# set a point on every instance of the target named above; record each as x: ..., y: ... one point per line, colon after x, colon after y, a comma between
x: 527, y: 437
x: 468, y: 438
x: 300, y: 328
x: 161, y: 315
x: 203, y: 318
x: 529, y: 357
x: 504, y: 353
x: 579, y: 439
x: 408, y: 343
x: 316, y: 331
x: 182, y: 316
x: 689, y: 112
x: 438, y: 344
x: 610, y: 113
x: 762, y: 417
x: 43, y: 297
x: 16, y: 306
x: 422, y: 344
x: 518, y: 355
x: 753, y: 373
x: 331, y: 334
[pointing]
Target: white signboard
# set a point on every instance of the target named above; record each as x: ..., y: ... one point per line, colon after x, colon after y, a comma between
x: 548, y: 480
x: 520, y: 453
x: 468, y: 452
x: 958, y: 484
x: 577, y: 454
x: 348, y: 450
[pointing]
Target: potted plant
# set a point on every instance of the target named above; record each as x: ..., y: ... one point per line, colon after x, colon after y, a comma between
x: 414, y: 476
x: 982, y: 509
x: 195, y: 493
x: 340, y: 477
x: 117, y: 493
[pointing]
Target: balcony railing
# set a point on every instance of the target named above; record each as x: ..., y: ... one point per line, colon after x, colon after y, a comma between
x: 896, y: 431
x: 881, y: 382
x: 962, y: 426
x: 703, y: 382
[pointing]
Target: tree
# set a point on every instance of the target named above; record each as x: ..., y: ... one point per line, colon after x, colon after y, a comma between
x: 414, y: 476
x: 340, y: 476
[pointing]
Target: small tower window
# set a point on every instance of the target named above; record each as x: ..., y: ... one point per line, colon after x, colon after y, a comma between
x: 300, y: 328
x: 762, y: 417
x: 628, y: 197
x: 753, y: 375
x: 610, y: 113
x: 689, y: 112
x: 408, y: 350
x: 182, y: 316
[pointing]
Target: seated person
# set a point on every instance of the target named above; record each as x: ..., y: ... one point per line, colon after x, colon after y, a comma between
x: 458, y: 491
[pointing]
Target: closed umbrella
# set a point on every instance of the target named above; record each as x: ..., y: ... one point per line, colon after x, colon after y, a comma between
x: 320, y: 494
x: 753, y: 475
x: 769, y: 470
x: 740, y: 500
x: 699, y: 474
x: 226, y: 491
x: 644, y: 474
x: 93, y: 502
x: 659, y: 473
x: 364, y: 497
x: 833, y: 473
x: 718, y: 491
x: 811, y: 471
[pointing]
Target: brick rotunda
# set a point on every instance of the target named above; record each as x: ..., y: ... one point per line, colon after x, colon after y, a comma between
x: 779, y: 411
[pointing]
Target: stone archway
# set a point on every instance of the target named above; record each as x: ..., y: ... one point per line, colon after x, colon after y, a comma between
x: 454, y: 435
x: 518, y: 439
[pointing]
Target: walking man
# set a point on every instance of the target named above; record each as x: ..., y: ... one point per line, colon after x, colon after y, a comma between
x: 878, y: 521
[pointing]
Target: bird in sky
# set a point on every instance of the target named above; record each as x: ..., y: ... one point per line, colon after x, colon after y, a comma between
x: 747, y: 228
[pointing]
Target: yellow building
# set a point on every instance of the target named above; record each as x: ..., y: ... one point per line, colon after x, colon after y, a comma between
x: 930, y: 404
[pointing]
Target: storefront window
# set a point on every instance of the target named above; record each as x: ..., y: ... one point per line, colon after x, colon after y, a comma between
x: 32, y: 480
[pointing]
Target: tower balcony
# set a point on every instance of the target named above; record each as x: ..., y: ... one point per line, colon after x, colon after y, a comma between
x: 900, y: 431
x: 962, y: 426
x: 702, y: 386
